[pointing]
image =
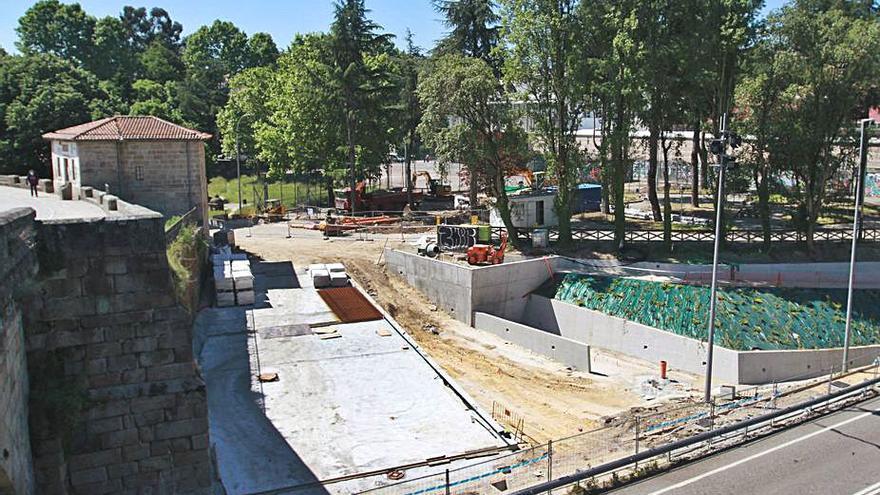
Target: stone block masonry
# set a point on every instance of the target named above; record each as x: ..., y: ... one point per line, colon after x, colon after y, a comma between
x: 116, y: 403
x: 18, y: 264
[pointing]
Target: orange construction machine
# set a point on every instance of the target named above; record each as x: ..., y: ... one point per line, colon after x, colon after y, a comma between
x: 479, y: 254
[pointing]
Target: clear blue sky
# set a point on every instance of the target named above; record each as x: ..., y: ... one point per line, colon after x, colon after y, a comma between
x: 280, y: 18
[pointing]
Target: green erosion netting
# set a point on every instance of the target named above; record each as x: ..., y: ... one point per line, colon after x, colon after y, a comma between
x: 748, y: 318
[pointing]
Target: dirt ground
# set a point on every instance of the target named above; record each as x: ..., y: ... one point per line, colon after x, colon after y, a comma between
x: 550, y: 400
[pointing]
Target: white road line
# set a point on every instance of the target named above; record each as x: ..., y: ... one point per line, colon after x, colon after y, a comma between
x: 762, y: 454
x: 871, y: 490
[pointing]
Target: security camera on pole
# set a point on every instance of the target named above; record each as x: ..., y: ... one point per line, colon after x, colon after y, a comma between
x: 718, y: 147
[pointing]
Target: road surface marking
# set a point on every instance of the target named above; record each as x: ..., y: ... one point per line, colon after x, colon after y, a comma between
x: 871, y: 490
x: 762, y: 454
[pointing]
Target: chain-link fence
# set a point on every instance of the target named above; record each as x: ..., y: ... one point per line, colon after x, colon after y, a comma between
x: 620, y: 438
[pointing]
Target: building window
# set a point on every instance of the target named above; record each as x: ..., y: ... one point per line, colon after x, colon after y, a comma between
x: 66, y: 170
x: 139, y: 172
x: 65, y: 148
x: 539, y: 213
x: 57, y: 167
x: 73, y: 169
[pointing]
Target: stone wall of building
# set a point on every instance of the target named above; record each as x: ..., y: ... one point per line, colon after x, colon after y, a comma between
x: 117, y: 405
x: 18, y: 265
x: 166, y: 176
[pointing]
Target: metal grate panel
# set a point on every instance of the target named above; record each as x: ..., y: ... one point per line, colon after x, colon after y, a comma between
x: 349, y: 304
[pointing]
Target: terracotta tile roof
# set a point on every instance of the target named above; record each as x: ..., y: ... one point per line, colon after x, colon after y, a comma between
x: 128, y: 128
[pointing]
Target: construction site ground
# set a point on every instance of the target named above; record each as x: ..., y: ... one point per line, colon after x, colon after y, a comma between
x: 541, y: 397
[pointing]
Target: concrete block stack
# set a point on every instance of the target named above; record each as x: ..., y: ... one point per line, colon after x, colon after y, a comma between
x: 329, y: 275
x: 233, y: 280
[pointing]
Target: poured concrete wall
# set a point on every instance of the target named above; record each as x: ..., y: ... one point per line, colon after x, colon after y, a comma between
x: 566, y: 351
x: 503, y: 290
x: 461, y: 289
x: 633, y: 339
x: 448, y: 285
x: 774, y: 366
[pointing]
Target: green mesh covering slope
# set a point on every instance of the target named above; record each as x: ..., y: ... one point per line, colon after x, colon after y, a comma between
x: 748, y: 318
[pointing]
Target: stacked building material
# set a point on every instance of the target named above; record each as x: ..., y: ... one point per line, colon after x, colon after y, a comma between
x: 233, y: 280
x: 329, y: 275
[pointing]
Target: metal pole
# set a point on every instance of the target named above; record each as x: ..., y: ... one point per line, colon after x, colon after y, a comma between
x: 447, y: 482
x: 711, y: 341
x: 238, y: 156
x: 857, y: 211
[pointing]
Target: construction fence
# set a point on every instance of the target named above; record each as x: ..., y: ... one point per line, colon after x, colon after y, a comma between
x: 621, y: 438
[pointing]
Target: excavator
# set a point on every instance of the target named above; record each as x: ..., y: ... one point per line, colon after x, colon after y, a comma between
x: 480, y: 254
x: 436, y: 189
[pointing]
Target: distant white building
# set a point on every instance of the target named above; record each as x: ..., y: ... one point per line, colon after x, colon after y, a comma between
x: 528, y: 211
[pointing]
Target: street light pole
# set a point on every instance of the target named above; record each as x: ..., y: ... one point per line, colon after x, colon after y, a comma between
x: 857, y: 213
x: 712, y: 293
x: 238, y: 156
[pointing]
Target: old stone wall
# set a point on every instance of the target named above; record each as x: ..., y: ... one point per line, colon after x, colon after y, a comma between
x: 166, y: 176
x: 18, y: 265
x: 117, y: 405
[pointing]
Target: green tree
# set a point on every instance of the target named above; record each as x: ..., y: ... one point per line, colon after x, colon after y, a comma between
x: 544, y: 57
x: 38, y: 94
x: 465, y: 113
x: 52, y: 27
x: 360, y: 85
x: 474, y: 32
x: 831, y: 55
x: 143, y: 28
x: 410, y: 65
x: 261, y: 50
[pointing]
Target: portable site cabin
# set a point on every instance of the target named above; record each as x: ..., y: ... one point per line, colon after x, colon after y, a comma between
x: 535, y: 209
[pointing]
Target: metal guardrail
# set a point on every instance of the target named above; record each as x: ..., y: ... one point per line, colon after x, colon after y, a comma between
x: 610, y: 467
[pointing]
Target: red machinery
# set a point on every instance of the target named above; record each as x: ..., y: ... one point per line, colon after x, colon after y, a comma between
x: 380, y: 200
x: 487, y: 253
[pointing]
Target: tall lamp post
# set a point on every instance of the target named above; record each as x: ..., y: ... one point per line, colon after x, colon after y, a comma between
x: 857, y: 213
x: 718, y: 148
x: 238, y: 155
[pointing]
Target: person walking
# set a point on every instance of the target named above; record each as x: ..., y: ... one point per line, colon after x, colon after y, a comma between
x: 33, y: 181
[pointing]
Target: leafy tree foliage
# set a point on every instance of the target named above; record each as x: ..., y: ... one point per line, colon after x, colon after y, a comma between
x: 466, y: 114
x: 38, y: 94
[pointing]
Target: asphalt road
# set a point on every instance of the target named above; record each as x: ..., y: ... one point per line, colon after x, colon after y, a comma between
x: 836, y: 454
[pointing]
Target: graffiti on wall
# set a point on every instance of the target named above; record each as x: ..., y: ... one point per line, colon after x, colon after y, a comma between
x: 456, y: 237
x: 872, y: 185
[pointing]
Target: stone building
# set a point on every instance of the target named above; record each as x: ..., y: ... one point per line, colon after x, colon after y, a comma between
x: 141, y: 159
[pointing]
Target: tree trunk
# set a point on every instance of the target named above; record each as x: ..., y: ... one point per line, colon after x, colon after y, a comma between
x: 351, y: 163
x: 407, y: 172
x: 653, y: 140
x: 695, y: 167
x: 667, y: 203
x: 472, y: 183
x: 763, y: 187
x: 331, y: 196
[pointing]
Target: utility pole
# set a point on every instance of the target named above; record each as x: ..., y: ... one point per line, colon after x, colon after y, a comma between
x: 857, y: 218
x: 719, y: 149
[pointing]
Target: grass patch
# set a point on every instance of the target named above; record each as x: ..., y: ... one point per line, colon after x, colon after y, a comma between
x: 292, y: 193
x: 185, y: 254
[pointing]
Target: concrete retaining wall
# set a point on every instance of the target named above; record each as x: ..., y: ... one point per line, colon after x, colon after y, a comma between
x: 448, y: 285
x: 774, y: 366
x: 566, y: 351
x: 503, y: 290
x: 633, y: 339
x: 461, y: 289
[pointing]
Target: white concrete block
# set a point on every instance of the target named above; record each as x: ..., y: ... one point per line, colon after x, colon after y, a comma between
x: 243, y: 282
x: 338, y: 279
x: 335, y: 267
x: 317, y: 266
x: 320, y: 278
x: 225, y: 299
x: 245, y: 298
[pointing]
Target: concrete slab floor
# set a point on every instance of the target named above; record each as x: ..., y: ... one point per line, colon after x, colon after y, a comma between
x: 49, y: 206
x: 342, y: 406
